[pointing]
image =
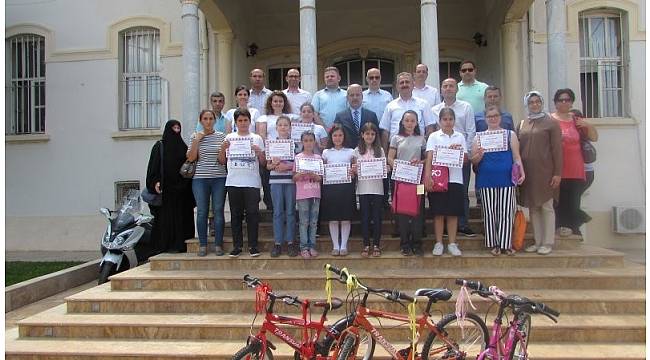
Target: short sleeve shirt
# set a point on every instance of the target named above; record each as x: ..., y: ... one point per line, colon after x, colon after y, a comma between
x: 428, y: 93
x: 439, y: 138
x: 296, y: 99
x: 473, y: 94
x: 230, y: 115
x: 328, y: 103
x: 396, y: 108
x: 369, y: 187
x: 245, y: 172
x: 408, y: 147
x: 465, y: 122
x: 376, y: 101
x: 257, y: 100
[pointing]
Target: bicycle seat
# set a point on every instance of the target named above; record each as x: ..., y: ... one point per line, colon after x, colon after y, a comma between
x: 336, y: 303
x: 434, y: 294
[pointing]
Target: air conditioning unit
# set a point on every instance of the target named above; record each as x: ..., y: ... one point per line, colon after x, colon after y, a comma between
x: 628, y: 219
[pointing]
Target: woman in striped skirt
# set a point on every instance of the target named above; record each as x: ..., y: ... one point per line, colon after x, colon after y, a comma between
x: 496, y: 181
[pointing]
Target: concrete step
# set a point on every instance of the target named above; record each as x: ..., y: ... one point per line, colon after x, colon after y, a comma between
x: 59, y: 349
x: 142, y: 278
x: 388, y: 242
x: 474, y: 213
x: 57, y: 323
x: 102, y: 300
x: 584, y: 256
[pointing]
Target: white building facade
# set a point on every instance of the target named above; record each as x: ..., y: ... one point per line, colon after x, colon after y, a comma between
x: 89, y: 84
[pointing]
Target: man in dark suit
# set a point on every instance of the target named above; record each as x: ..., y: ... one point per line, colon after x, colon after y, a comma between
x: 353, y: 118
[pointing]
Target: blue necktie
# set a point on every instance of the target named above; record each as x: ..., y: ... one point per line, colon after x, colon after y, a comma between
x: 355, y: 117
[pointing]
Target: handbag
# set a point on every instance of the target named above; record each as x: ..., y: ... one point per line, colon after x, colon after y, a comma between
x: 588, y: 149
x: 188, y: 169
x: 519, y: 231
x: 154, y: 198
x: 440, y: 177
x: 406, y: 200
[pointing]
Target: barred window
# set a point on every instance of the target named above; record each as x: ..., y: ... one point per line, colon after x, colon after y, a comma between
x: 277, y: 77
x: 143, y: 91
x: 354, y: 72
x: 25, y: 84
x: 602, y: 65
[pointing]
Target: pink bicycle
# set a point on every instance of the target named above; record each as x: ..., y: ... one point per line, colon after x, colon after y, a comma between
x: 514, y: 345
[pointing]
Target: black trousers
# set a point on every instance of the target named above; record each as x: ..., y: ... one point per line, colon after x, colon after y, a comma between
x: 371, y: 210
x: 244, y: 201
x: 266, y: 187
x: 410, y: 231
x: 567, y: 210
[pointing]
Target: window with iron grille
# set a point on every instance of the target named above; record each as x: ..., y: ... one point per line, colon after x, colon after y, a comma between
x: 143, y: 92
x: 602, y: 64
x: 277, y: 77
x: 354, y: 72
x: 25, y: 84
x: 123, y: 189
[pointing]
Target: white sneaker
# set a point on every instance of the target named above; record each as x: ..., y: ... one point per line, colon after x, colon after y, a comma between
x: 438, y: 249
x: 565, y: 231
x: 531, y: 249
x: 544, y: 250
x: 454, y: 250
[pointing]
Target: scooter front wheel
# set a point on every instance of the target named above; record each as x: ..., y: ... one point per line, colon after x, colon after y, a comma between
x: 105, y: 272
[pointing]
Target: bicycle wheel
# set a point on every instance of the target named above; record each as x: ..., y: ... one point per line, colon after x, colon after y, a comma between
x: 466, y: 344
x: 252, y: 351
x: 518, y: 352
x: 365, y: 346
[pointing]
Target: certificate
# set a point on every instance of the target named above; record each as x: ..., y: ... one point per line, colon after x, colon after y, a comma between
x: 309, y: 165
x: 406, y: 172
x: 494, y: 140
x: 445, y: 156
x: 372, y: 169
x: 240, y: 148
x: 337, y: 174
x: 297, y: 128
x: 280, y: 148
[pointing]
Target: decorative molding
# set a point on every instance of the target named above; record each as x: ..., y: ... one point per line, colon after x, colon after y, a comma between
x: 27, y: 138
x: 29, y: 28
x: 574, y: 7
x: 137, y: 135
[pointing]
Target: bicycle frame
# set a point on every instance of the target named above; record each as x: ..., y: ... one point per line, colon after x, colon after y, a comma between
x: 496, y: 350
x: 307, y: 345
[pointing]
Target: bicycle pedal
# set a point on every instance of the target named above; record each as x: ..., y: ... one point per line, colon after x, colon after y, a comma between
x: 405, y: 352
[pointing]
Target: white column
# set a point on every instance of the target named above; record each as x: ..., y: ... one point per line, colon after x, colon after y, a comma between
x: 513, y: 88
x: 191, y: 60
x: 556, y: 49
x: 224, y: 64
x: 429, y: 40
x: 308, y: 46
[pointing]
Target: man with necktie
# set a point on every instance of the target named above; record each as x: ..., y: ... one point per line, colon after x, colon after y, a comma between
x: 353, y: 118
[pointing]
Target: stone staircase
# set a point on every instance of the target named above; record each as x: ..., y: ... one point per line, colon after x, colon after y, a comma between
x: 183, y: 306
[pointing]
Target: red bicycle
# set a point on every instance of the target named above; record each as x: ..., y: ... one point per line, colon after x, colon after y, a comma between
x: 310, y: 346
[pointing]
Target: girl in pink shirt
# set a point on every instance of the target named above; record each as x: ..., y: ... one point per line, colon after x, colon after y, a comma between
x: 307, y: 198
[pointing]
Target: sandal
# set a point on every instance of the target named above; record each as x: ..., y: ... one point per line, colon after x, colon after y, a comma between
x: 376, y: 252
x: 510, y: 252
x: 366, y: 251
x: 495, y: 252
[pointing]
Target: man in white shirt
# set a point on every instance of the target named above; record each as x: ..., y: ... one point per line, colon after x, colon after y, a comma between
x: 375, y: 99
x: 295, y: 94
x: 405, y: 101
x: 465, y: 125
x: 259, y: 93
x: 421, y: 89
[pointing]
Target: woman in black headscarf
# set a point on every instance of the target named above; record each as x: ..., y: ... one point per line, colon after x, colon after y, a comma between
x: 174, y: 220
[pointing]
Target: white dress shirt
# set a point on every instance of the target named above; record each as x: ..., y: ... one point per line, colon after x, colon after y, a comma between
x: 396, y: 108
x: 297, y: 98
x: 428, y: 93
x: 464, y: 119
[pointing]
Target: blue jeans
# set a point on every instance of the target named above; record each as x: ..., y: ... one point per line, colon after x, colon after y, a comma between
x: 203, y: 189
x: 284, y: 212
x: 467, y: 171
x: 308, y: 214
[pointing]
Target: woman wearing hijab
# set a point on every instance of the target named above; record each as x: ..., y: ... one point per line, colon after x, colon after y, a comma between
x: 540, y: 141
x: 174, y: 220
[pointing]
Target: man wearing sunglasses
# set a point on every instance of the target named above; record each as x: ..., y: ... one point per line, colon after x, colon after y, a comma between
x: 470, y: 89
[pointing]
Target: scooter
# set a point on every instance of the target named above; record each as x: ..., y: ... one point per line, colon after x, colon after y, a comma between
x: 127, y: 235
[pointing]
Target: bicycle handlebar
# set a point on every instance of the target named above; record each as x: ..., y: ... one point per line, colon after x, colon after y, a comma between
x: 389, y: 294
x: 287, y: 299
x: 474, y: 285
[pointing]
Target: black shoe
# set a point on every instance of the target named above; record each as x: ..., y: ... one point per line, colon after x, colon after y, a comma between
x: 254, y: 252
x: 418, y: 252
x: 406, y: 252
x: 235, y: 253
x: 277, y: 250
x: 465, y: 230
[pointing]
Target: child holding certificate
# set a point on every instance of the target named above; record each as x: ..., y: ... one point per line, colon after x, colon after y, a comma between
x: 370, y: 191
x: 283, y: 192
x: 449, y: 204
x: 244, y: 153
x: 308, y: 198
x: 408, y: 145
x: 339, y: 201
x: 307, y: 118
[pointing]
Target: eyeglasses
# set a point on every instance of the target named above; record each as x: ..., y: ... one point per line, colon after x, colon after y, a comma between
x: 374, y: 77
x: 467, y: 70
x: 293, y: 76
x: 564, y: 100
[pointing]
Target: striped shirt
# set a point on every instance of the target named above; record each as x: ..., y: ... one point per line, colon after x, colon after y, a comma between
x: 207, y: 165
